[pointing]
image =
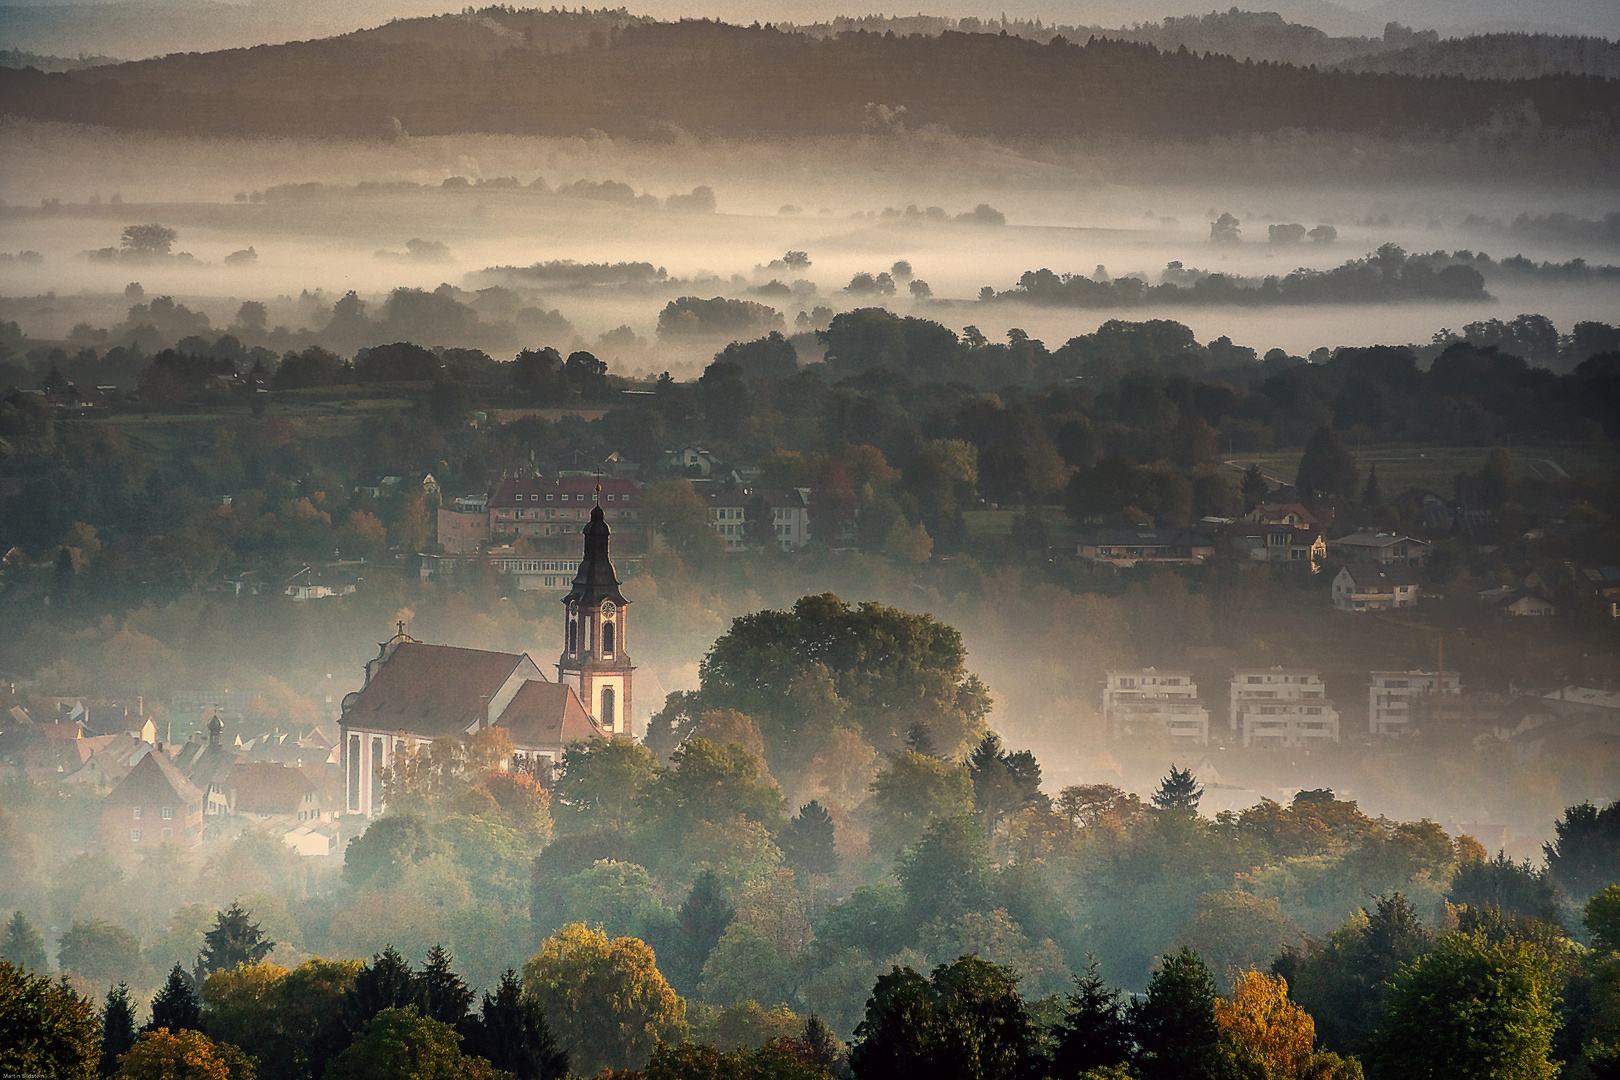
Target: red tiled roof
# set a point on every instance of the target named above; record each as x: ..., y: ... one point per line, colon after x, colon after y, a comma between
x: 548, y: 715
x: 267, y: 787
x: 154, y: 781
x: 430, y: 690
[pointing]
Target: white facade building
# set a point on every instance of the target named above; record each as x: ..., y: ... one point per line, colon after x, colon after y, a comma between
x: 1393, y: 697
x: 1168, y: 699
x: 1282, y: 707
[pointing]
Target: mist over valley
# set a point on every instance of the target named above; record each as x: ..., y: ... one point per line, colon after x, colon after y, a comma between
x: 606, y: 540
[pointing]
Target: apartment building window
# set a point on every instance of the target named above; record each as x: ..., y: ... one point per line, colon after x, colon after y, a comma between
x: 137, y: 813
x: 167, y: 813
x: 134, y: 836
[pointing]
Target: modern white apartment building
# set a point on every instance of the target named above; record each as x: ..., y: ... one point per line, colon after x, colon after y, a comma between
x: 1282, y: 707
x: 1395, y: 698
x: 1132, y: 700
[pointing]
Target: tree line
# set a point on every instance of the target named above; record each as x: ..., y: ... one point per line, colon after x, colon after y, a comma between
x: 746, y: 77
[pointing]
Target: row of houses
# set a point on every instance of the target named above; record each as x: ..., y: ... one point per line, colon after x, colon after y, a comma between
x: 528, y: 527
x: 155, y: 792
x: 1266, y: 707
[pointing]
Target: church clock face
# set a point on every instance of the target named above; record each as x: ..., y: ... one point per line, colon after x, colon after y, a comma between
x: 607, y: 609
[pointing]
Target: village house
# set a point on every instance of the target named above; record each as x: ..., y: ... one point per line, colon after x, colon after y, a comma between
x: 1374, y: 588
x: 320, y: 582
x: 1296, y: 545
x: 1383, y: 549
x: 738, y: 514
x: 153, y: 805
x: 1285, y: 513
x: 1125, y: 547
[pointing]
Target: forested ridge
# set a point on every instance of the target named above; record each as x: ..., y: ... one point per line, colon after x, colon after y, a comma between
x: 702, y: 77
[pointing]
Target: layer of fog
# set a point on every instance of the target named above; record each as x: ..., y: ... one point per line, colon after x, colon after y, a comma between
x: 855, y: 205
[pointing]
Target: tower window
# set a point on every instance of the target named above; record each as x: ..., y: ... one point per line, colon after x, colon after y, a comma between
x: 573, y: 635
x: 607, y: 707
x: 607, y: 639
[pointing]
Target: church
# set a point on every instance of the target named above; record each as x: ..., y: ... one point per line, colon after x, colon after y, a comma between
x: 415, y: 692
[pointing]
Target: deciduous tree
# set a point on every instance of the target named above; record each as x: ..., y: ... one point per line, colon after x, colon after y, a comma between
x: 1471, y: 1009
x: 607, y: 1002
x: 183, y: 1055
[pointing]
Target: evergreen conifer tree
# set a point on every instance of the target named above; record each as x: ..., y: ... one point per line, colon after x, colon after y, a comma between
x: 1174, y: 1025
x: 1094, y: 1032
x: 22, y: 945
x: 1255, y: 487
x: 702, y: 919
x: 117, y: 1028
x: 445, y: 997
x: 1372, y: 496
x: 233, y: 940
x: 512, y: 1034
x: 387, y: 983
x: 176, y: 1006
x: 807, y: 841
x: 1178, y: 791
x: 820, y: 1041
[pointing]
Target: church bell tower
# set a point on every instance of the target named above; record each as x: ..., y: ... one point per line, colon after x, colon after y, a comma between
x: 594, y: 661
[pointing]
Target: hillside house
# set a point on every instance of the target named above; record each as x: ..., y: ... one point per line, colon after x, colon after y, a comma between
x: 1125, y: 547
x: 1374, y: 588
x: 1382, y: 549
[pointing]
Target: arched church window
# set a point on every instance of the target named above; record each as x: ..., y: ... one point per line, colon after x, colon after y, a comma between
x: 608, y: 705
x: 573, y: 635
x: 607, y: 639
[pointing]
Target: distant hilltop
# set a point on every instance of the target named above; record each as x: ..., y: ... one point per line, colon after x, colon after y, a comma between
x: 538, y: 73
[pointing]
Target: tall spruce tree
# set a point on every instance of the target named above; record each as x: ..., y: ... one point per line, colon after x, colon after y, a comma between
x: 1095, y: 1032
x: 117, y: 1028
x: 511, y: 1032
x: 807, y: 841
x: 234, y: 940
x: 1174, y: 1025
x: 22, y: 945
x: 703, y: 917
x: 176, y: 1006
x: 821, y: 1044
x: 1372, y: 497
x: 1178, y: 791
x: 445, y: 997
x: 387, y: 983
